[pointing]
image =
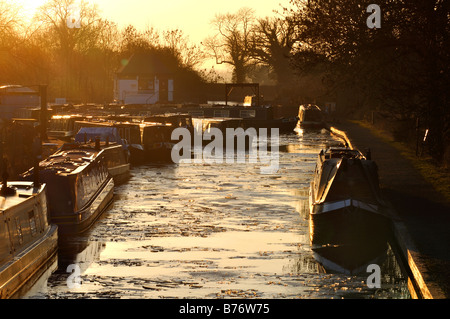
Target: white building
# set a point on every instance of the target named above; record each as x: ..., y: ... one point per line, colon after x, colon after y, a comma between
x: 144, y: 79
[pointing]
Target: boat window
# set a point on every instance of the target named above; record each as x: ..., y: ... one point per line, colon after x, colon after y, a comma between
x: 37, y: 216
x: 221, y: 113
x: 19, y: 230
x: 247, y: 113
x: 32, y: 220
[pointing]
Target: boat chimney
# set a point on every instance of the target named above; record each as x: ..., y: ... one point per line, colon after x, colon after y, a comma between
x: 107, y: 141
x: 43, y: 114
x: 85, y: 137
x: 97, y: 142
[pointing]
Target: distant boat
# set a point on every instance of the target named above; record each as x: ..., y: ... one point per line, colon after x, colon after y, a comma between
x: 204, y: 126
x: 346, y: 209
x: 173, y: 119
x: 118, y: 129
x: 147, y: 142
x: 310, y: 116
x: 80, y: 187
x: 28, y: 243
x: 117, y: 157
x: 156, y: 143
x: 63, y: 126
x: 251, y: 116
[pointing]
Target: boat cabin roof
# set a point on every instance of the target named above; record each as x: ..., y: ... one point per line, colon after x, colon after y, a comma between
x: 310, y: 107
x: 340, y: 152
x: 103, y: 132
x: 154, y: 124
x: 21, y: 191
x: 70, y: 161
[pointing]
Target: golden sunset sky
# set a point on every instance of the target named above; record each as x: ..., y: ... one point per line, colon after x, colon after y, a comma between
x: 191, y: 16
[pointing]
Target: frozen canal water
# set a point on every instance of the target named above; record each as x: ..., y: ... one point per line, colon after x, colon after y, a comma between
x: 212, y: 231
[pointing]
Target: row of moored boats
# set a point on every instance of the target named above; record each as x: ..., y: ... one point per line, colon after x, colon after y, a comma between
x: 65, y: 193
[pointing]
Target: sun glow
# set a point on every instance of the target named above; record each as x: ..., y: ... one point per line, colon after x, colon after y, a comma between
x: 192, y: 17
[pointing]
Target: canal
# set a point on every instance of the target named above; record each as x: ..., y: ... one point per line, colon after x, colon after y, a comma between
x: 212, y: 231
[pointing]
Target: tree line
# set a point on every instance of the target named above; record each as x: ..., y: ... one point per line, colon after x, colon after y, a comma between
x: 78, y: 60
x: 315, y: 50
x: 399, y: 69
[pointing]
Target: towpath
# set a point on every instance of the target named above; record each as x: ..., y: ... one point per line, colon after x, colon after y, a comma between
x: 423, y: 224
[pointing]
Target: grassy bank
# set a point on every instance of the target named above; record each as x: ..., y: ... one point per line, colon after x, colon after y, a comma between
x: 439, y: 178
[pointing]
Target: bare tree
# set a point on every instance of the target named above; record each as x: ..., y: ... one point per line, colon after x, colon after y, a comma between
x: 272, y: 40
x: 189, y: 55
x: 71, y: 31
x: 231, y: 43
x: 9, y: 24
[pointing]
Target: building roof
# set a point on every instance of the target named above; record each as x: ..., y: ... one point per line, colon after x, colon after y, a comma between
x: 146, y: 64
x: 17, y: 90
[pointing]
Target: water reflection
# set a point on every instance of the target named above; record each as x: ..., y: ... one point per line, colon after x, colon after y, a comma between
x: 350, y: 260
x: 79, y: 251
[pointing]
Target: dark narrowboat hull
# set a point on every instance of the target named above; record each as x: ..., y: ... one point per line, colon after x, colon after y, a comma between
x: 120, y: 173
x: 137, y: 156
x: 159, y: 154
x: 349, y: 236
x: 82, y: 220
x: 345, y: 223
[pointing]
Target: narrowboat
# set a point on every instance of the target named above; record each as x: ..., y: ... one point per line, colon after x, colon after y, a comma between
x: 127, y: 134
x: 310, y: 116
x: 63, y: 126
x: 28, y: 242
x: 251, y: 116
x: 174, y: 119
x: 156, y: 142
x: 346, y: 207
x: 204, y: 126
x: 105, y: 138
x: 80, y: 187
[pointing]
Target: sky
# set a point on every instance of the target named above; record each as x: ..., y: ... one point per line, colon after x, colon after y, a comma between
x: 191, y: 16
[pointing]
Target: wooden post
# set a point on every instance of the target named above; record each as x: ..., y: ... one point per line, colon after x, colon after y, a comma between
x: 43, y: 119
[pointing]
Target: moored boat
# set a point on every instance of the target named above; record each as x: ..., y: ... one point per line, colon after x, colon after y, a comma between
x: 63, y: 126
x: 115, y: 155
x: 80, y: 187
x: 156, y: 142
x: 346, y: 209
x: 28, y: 243
x: 251, y: 116
x: 123, y: 132
x: 310, y: 116
x: 234, y: 135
